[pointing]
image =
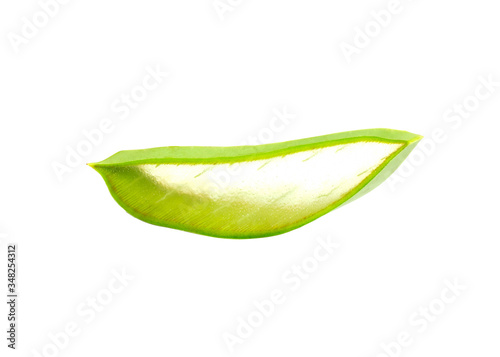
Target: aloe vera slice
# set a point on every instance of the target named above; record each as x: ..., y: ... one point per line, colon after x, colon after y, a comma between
x: 252, y: 191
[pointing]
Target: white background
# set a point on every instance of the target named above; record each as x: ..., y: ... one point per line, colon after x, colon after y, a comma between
x: 227, y: 78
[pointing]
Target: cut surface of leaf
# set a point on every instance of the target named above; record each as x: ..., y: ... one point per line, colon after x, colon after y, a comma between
x: 252, y: 191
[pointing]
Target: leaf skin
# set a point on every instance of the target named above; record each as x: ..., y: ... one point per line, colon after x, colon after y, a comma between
x: 169, y: 186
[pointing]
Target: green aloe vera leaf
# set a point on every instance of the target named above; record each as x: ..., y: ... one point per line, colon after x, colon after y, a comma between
x: 252, y: 191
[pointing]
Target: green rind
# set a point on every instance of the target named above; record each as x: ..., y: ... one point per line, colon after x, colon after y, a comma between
x: 224, y: 154
x: 200, y: 154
